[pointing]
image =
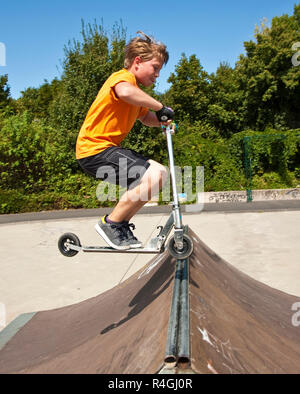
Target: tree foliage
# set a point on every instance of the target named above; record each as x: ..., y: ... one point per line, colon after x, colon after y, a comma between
x: 259, y: 95
x: 4, y: 92
x: 86, y: 66
x: 38, y: 101
x: 267, y: 77
x: 225, y: 97
x: 189, y: 91
x: 261, y: 91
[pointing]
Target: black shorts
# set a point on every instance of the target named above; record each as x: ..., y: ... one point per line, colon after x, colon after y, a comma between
x: 116, y: 165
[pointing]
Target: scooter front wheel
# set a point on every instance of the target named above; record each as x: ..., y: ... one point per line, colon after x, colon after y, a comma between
x: 64, y: 240
x: 185, y: 252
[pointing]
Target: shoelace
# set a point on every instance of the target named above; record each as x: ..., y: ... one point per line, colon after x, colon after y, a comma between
x: 119, y: 228
x: 128, y: 227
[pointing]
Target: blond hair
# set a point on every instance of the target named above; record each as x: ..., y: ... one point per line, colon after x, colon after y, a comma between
x: 146, y: 48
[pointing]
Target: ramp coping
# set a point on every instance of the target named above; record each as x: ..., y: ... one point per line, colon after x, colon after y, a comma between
x: 12, y: 328
x: 178, y: 339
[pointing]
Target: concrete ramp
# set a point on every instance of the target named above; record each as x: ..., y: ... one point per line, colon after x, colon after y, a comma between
x: 234, y: 325
x: 237, y: 324
x: 123, y: 330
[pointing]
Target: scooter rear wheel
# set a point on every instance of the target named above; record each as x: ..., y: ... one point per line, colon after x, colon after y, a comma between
x: 64, y: 240
x: 185, y: 252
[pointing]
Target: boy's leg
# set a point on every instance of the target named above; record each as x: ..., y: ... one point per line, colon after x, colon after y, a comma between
x: 134, y: 199
x: 125, y: 166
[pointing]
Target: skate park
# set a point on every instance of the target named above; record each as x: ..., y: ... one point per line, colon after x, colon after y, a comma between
x: 226, y: 298
x: 109, y: 313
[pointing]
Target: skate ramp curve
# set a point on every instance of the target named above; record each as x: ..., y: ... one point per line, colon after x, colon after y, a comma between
x: 123, y: 330
x: 237, y: 324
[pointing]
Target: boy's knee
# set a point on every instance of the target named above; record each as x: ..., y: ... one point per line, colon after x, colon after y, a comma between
x: 157, y: 173
x: 163, y: 175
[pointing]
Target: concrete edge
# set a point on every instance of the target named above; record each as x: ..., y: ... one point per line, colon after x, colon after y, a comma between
x: 13, y: 327
x: 227, y: 207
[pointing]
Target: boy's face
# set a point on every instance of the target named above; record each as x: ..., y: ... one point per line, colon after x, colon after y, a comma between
x: 146, y: 72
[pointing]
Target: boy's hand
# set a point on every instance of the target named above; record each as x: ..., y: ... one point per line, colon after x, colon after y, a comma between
x: 164, y: 114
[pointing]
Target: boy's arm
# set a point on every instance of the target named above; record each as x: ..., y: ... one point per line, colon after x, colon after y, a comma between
x: 133, y: 95
x: 150, y: 119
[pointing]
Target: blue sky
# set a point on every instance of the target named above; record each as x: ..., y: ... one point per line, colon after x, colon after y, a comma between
x: 34, y: 32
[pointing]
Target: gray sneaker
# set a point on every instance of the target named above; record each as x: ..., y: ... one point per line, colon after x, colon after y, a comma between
x: 133, y: 241
x: 114, y: 234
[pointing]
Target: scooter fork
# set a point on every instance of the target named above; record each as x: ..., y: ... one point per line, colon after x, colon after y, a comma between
x: 178, y: 227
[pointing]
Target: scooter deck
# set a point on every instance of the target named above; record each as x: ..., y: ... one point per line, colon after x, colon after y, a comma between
x: 108, y: 249
x: 155, y: 245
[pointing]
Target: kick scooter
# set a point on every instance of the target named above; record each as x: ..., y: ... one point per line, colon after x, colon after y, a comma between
x: 180, y: 244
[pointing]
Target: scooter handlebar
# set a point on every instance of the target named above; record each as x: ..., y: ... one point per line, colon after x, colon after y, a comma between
x: 170, y: 128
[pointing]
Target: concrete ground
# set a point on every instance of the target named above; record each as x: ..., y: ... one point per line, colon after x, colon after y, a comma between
x: 34, y: 275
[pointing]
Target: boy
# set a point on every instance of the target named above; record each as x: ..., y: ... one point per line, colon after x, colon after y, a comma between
x: 119, y: 103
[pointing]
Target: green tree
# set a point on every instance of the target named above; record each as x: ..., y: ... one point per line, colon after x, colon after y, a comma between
x: 86, y: 66
x: 7, y: 104
x: 225, y: 98
x: 4, y: 92
x: 30, y: 153
x: 189, y: 91
x: 37, y: 101
x: 268, y: 78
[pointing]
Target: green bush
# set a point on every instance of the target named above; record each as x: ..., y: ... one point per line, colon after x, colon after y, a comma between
x: 271, y: 157
x: 16, y: 201
x: 274, y: 180
x: 31, y: 153
x: 198, y: 145
x: 38, y: 170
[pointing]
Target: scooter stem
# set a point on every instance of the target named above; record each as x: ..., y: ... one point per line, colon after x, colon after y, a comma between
x: 176, y: 206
